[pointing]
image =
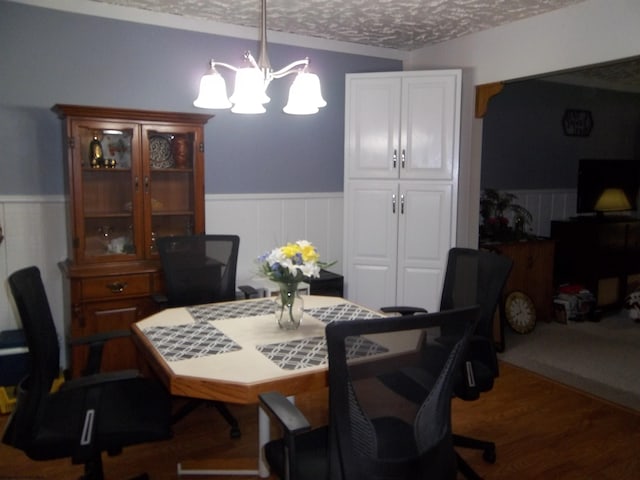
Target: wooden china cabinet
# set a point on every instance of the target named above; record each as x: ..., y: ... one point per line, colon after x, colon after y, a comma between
x: 133, y: 176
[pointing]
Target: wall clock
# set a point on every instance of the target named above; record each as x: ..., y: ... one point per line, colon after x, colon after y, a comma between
x: 577, y: 123
x: 520, y: 312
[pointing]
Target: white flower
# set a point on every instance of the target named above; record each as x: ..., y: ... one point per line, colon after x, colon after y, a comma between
x: 291, y: 262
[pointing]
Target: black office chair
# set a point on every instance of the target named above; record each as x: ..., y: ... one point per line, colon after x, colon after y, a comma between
x: 472, y: 277
x: 86, y: 416
x: 200, y: 269
x: 373, y: 433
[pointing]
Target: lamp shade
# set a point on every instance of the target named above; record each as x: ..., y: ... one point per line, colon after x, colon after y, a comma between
x: 213, y: 92
x: 248, y: 108
x: 612, y: 200
x: 249, y: 87
x: 305, y: 95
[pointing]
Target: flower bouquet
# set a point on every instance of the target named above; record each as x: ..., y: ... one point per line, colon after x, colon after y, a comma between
x: 287, y: 266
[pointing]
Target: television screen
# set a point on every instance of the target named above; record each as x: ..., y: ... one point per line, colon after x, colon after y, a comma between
x: 594, y: 176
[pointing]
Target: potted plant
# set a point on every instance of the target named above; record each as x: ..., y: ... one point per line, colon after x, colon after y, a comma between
x: 502, y: 218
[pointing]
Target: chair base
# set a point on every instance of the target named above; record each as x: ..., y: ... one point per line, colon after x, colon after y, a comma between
x: 488, y: 454
x: 142, y: 476
x: 192, y: 404
x: 93, y: 470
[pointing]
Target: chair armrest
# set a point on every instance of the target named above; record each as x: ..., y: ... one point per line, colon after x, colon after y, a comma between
x: 248, y: 290
x: 96, y: 344
x: 99, y: 379
x: 100, y: 337
x: 403, y: 310
x: 160, y: 300
x: 285, y: 412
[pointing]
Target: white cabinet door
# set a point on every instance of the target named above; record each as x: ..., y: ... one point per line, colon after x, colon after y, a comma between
x: 424, y: 238
x: 371, y: 231
x: 402, y: 125
x: 401, y: 174
x: 372, y: 127
x: 429, y: 126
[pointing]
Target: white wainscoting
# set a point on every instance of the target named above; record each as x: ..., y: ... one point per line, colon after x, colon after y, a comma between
x: 546, y: 205
x: 35, y: 231
x: 269, y: 220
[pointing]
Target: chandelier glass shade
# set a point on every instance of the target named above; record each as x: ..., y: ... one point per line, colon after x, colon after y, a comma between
x: 251, y: 82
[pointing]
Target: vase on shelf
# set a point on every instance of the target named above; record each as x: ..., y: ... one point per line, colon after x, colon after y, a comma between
x: 289, y: 306
x: 181, y: 150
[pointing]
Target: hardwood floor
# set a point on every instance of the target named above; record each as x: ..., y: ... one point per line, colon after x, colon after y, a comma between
x: 542, y: 430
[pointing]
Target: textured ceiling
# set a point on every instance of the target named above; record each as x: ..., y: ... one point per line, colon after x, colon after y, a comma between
x: 402, y: 25
x: 396, y: 24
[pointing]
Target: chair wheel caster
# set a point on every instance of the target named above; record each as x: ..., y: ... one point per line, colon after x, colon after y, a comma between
x: 234, y: 433
x: 489, y: 455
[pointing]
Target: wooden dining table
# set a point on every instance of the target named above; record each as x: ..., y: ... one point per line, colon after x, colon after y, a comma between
x: 233, y: 351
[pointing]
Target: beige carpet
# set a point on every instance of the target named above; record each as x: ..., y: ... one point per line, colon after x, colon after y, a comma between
x: 602, y: 358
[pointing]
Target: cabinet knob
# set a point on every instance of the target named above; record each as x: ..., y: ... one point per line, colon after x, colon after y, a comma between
x: 117, y: 287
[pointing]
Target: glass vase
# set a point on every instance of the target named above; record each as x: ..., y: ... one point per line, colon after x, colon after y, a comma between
x: 289, y: 306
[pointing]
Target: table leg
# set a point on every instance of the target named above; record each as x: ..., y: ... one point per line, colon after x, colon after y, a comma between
x: 263, y: 437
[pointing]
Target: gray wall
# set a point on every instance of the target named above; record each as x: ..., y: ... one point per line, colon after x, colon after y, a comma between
x: 524, y: 146
x: 50, y: 57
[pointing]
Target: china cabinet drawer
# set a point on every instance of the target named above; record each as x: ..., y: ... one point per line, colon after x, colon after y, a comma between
x: 120, y: 286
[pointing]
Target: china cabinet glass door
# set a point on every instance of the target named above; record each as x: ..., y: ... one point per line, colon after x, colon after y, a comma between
x: 170, y: 181
x: 106, y: 168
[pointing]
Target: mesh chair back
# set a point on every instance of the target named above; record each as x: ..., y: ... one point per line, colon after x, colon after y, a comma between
x: 374, y: 432
x: 199, y: 268
x: 44, y: 354
x: 475, y: 277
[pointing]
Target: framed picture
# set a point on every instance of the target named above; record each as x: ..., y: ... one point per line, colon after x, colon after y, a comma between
x: 577, y: 123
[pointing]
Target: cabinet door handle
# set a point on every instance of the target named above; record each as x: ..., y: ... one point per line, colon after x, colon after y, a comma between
x: 403, y: 158
x: 395, y: 158
x: 146, y: 184
x: 402, y: 204
x: 117, y: 287
x: 136, y: 182
x: 393, y: 203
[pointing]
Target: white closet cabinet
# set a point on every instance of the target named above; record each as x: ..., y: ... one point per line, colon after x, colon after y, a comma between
x: 401, y: 175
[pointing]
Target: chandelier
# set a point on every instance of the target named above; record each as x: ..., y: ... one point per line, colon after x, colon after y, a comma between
x: 251, y: 82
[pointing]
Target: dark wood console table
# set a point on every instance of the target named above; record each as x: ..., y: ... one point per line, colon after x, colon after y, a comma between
x: 532, y: 273
x: 600, y: 253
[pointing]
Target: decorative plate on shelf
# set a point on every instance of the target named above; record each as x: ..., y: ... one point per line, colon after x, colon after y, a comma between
x: 160, y: 152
